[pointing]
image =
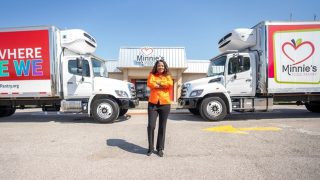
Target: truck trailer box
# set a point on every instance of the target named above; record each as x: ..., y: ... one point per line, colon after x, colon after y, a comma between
x: 27, y: 61
x: 292, y: 55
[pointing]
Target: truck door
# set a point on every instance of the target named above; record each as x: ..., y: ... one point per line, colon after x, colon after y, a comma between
x: 241, y: 82
x: 77, y: 85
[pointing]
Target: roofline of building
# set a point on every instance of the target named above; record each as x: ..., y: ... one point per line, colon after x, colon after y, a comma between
x: 153, y: 47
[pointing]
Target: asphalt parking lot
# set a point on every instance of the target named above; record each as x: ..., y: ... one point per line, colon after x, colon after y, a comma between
x: 282, y: 144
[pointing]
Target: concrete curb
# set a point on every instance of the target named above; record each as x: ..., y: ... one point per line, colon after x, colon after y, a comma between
x: 145, y: 111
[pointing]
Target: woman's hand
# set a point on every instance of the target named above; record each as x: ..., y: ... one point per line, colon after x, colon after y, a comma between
x: 160, y: 87
x: 158, y: 82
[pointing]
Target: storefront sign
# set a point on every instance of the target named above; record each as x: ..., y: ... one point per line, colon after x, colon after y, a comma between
x: 147, y: 58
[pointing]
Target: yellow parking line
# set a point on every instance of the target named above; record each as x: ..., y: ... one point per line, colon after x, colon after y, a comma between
x: 230, y: 129
x: 259, y: 129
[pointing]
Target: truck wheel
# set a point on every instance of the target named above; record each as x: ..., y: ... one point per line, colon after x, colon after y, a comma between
x: 213, y: 109
x: 12, y: 111
x: 4, y: 111
x: 105, y: 110
x: 194, y: 111
x: 309, y: 107
x: 123, y: 112
x: 313, y: 107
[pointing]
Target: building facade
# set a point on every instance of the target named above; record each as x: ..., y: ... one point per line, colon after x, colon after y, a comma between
x: 135, y: 63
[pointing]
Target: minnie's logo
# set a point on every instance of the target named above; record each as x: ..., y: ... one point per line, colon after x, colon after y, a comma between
x: 296, y: 45
x: 147, y: 51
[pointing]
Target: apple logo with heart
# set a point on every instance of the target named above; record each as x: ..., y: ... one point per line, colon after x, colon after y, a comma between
x: 297, y: 44
x: 147, y: 50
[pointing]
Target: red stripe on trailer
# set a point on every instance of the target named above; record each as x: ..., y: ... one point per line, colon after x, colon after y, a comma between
x: 42, y: 92
x: 15, y: 93
x: 4, y: 93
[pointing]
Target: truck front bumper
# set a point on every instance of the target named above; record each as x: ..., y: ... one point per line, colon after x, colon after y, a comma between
x: 129, y: 103
x: 188, y: 103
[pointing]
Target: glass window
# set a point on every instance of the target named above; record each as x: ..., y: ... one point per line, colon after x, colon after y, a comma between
x: 99, y: 68
x: 216, y: 67
x: 232, y: 66
x: 142, y: 90
x: 72, y: 68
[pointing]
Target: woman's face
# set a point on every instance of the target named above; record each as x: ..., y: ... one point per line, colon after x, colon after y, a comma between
x: 160, y: 67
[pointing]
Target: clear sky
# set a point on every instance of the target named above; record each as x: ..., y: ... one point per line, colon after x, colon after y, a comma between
x: 197, y: 25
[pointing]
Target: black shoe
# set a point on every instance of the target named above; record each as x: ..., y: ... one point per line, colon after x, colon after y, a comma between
x: 160, y: 153
x: 149, y: 152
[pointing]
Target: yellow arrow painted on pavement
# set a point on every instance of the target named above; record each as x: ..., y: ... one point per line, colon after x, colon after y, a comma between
x: 230, y: 129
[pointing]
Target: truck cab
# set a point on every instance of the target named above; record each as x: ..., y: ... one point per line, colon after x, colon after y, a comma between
x: 238, y: 71
x: 86, y: 81
x: 86, y: 85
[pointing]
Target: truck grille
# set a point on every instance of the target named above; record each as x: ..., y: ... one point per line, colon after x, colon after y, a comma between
x: 183, y: 92
x: 133, y: 91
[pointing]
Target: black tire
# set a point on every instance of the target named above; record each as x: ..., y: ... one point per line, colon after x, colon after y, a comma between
x: 105, y: 110
x: 213, y: 109
x: 123, y: 112
x: 4, y: 111
x: 194, y: 111
x: 12, y: 111
x: 313, y: 107
x: 309, y: 107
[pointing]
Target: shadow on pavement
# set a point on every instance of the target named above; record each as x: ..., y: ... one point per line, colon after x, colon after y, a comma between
x: 185, y: 117
x: 236, y: 116
x: 39, y: 116
x: 124, y: 145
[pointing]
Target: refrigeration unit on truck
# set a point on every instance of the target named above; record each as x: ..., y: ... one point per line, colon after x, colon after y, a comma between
x: 50, y: 68
x: 273, y: 61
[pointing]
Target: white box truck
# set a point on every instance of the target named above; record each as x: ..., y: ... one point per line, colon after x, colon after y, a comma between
x: 273, y: 61
x: 50, y: 68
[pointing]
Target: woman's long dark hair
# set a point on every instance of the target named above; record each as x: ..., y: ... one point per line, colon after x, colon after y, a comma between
x: 166, y: 68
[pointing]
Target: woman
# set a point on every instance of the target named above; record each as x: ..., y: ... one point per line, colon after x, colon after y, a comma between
x: 160, y: 84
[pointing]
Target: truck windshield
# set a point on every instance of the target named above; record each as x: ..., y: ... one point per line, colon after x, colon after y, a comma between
x: 216, y: 67
x: 99, y: 68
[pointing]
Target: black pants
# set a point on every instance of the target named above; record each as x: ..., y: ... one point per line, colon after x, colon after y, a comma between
x: 153, y: 111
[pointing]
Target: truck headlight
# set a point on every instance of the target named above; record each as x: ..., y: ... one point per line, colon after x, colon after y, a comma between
x: 121, y: 93
x: 196, y: 93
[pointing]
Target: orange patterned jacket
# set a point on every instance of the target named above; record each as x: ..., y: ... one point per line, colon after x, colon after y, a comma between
x: 158, y: 94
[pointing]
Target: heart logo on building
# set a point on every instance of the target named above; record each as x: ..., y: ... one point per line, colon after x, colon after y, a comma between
x: 147, y: 50
x: 302, y: 54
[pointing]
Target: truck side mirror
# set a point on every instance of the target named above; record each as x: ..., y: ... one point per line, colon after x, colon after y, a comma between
x: 79, y: 65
